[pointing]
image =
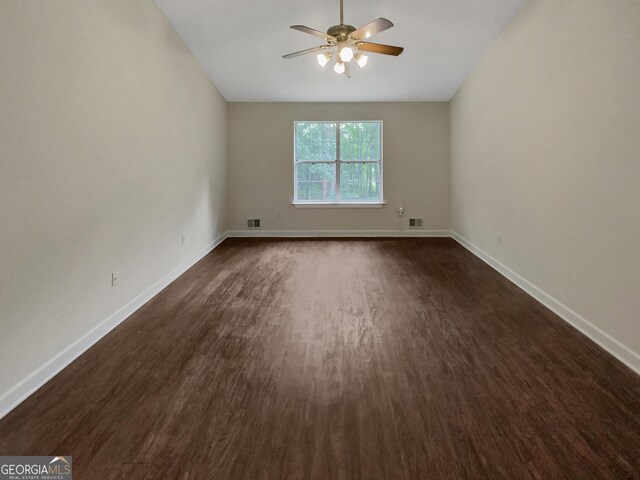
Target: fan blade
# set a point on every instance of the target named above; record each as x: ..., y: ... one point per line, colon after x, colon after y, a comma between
x: 377, y: 26
x: 379, y: 48
x: 311, y: 31
x: 304, y: 52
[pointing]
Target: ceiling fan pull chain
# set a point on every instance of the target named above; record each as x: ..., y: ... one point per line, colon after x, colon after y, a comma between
x: 341, y: 12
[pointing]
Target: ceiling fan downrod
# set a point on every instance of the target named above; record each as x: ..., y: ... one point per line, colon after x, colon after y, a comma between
x: 341, y: 31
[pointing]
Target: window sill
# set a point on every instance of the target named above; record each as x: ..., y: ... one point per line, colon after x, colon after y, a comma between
x: 338, y: 204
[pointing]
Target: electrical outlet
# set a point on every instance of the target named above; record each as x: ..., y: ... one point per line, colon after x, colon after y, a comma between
x: 115, y: 278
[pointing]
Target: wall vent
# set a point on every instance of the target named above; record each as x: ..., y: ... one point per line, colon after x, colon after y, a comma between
x: 253, y: 223
x: 415, y: 223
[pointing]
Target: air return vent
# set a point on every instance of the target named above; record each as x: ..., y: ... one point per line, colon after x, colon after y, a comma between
x: 415, y: 223
x: 253, y: 223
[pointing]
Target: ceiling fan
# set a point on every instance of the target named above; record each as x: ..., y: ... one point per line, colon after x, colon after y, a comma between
x: 346, y: 43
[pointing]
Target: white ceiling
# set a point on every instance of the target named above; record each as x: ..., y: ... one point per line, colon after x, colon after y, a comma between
x: 240, y: 44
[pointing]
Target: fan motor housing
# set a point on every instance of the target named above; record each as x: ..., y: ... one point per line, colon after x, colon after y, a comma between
x: 341, y: 31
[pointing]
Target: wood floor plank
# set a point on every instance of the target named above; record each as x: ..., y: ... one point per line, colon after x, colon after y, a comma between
x: 338, y: 358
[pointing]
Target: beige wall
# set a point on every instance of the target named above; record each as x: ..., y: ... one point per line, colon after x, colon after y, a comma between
x: 416, y: 165
x: 545, y: 141
x: 112, y: 145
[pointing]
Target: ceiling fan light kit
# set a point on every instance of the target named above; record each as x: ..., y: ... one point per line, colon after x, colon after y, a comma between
x: 361, y: 60
x: 324, y: 58
x: 346, y: 53
x: 346, y: 43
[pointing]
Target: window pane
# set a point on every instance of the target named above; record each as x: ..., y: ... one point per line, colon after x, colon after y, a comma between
x: 360, y: 182
x: 360, y: 141
x: 316, y: 181
x: 315, y: 141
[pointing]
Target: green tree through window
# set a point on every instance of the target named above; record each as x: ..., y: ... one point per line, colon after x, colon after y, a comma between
x: 338, y: 162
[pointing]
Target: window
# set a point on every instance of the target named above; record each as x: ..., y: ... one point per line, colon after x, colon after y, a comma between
x: 338, y: 162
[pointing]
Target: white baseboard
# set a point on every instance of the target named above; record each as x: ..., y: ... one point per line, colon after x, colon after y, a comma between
x: 36, y: 379
x: 257, y: 233
x: 606, y: 341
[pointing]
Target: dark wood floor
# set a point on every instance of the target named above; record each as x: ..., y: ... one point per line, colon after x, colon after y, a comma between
x: 332, y: 359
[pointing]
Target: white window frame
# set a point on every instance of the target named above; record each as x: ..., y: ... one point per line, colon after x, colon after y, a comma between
x: 338, y: 203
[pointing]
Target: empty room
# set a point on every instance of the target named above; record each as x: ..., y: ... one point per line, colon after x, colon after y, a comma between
x: 329, y: 239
